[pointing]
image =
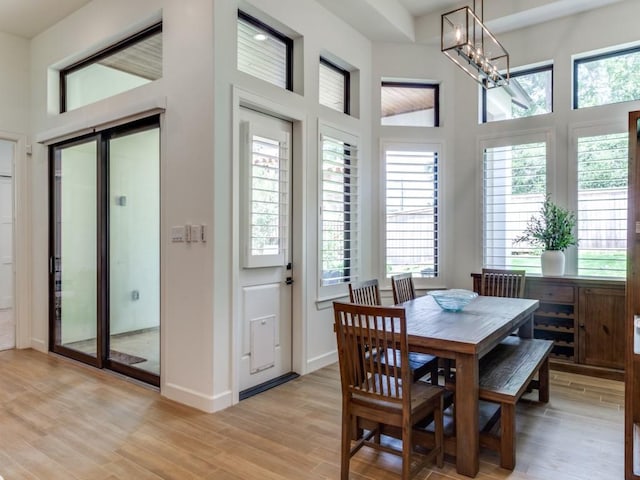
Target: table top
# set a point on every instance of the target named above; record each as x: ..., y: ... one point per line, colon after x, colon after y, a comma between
x: 474, y: 330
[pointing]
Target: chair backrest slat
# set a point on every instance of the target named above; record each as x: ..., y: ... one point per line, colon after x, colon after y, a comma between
x: 365, y: 293
x: 366, y: 336
x: 502, y: 283
x: 403, y: 289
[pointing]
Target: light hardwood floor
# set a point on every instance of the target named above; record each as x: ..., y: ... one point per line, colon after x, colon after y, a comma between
x: 60, y: 420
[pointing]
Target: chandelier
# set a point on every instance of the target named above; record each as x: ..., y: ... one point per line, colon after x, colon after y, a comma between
x: 466, y: 41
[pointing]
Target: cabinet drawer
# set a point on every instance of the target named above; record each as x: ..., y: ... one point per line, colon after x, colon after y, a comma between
x: 552, y: 293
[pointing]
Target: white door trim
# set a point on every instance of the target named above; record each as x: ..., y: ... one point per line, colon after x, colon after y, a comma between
x: 22, y: 239
x: 298, y: 118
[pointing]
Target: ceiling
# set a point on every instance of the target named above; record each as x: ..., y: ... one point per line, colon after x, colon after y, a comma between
x: 27, y: 18
x: 379, y: 20
x: 419, y: 20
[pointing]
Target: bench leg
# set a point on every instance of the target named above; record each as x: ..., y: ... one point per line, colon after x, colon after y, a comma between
x: 508, y: 436
x: 543, y: 380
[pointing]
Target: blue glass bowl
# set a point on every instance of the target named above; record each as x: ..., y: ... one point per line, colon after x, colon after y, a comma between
x: 453, y: 300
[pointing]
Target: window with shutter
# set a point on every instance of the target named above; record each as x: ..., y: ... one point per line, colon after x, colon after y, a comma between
x: 514, y: 189
x: 602, y: 204
x: 339, y: 212
x: 411, y: 181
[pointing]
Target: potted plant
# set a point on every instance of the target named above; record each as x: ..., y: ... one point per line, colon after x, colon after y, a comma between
x: 552, y: 230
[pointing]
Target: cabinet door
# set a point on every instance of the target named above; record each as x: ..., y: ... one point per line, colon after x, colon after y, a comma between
x: 601, y: 321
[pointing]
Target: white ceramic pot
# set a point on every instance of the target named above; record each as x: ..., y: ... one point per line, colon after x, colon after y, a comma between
x: 552, y: 263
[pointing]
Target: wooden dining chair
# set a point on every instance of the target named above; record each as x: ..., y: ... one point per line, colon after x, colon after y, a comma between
x: 502, y: 283
x: 403, y: 289
x: 421, y: 364
x: 382, y: 393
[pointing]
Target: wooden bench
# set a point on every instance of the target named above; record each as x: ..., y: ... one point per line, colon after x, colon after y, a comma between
x: 506, y: 373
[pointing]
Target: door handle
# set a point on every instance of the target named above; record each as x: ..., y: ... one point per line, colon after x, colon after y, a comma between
x: 289, y: 281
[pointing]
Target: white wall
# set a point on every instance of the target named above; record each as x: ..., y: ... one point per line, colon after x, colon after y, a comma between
x: 198, y: 304
x: 186, y: 168
x: 14, y: 126
x: 461, y: 166
x: 14, y: 84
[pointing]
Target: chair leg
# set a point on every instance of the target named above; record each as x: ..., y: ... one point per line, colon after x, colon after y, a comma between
x: 345, y: 455
x: 434, y: 373
x: 439, y: 432
x: 407, y: 447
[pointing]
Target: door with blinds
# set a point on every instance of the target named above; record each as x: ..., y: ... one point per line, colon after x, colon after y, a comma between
x: 265, y: 250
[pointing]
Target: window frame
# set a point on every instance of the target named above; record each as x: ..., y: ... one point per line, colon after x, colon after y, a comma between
x: 577, y: 61
x: 516, y: 74
x: 347, y: 83
x: 288, y: 42
x: 412, y: 84
x: 105, y: 52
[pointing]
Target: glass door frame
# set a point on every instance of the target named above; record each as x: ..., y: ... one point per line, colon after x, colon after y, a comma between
x: 101, y: 360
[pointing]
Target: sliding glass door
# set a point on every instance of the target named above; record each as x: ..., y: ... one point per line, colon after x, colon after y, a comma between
x: 104, y: 265
x: 134, y: 250
x: 76, y: 249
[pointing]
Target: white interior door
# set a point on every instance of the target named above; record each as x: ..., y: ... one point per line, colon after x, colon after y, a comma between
x: 265, y: 237
x: 7, y: 317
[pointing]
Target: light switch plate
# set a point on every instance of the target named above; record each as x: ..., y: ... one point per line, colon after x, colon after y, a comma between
x: 196, y: 233
x: 177, y: 234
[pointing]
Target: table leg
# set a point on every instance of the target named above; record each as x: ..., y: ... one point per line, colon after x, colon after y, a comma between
x: 526, y: 330
x: 466, y: 408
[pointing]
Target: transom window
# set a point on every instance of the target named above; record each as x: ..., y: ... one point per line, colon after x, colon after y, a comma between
x: 606, y: 78
x: 264, y: 52
x: 334, y: 86
x: 128, y: 64
x: 411, y: 185
x: 410, y: 104
x: 529, y: 93
x: 514, y: 189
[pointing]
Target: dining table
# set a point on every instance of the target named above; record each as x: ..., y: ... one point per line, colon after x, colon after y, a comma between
x: 466, y: 336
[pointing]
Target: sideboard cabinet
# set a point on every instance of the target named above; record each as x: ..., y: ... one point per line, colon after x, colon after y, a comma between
x: 585, y: 319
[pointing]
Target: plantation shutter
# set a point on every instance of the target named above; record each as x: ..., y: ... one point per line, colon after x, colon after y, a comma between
x: 602, y: 204
x: 514, y: 189
x: 339, y: 214
x: 411, y: 212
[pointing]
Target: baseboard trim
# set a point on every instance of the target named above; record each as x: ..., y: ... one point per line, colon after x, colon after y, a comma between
x: 192, y: 398
x: 321, y: 361
x: 39, y: 345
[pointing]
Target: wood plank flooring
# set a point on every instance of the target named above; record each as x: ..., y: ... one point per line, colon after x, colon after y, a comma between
x: 60, y: 420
